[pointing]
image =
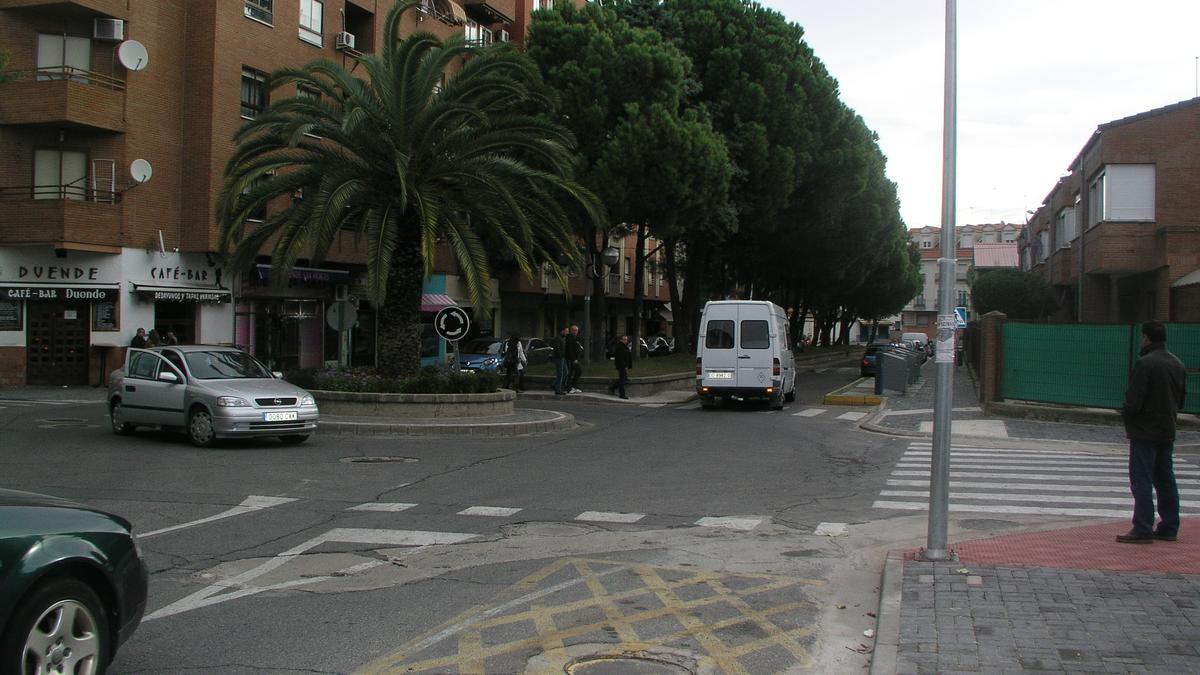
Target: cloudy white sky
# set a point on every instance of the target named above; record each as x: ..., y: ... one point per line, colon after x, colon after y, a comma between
x: 1035, y: 79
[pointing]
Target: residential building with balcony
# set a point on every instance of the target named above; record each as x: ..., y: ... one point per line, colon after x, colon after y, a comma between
x: 110, y: 167
x: 920, y: 314
x: 1118, y: 236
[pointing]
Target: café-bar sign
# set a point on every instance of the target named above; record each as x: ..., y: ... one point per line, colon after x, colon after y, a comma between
x: 51, y: 293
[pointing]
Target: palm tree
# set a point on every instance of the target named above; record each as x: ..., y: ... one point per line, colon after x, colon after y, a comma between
x: 407, y: 164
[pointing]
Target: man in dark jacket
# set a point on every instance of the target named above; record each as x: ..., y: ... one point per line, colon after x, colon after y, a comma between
x: 574, y: 356
x: 1156, y: 392
x: 623, y: 360
x: 558, y: 356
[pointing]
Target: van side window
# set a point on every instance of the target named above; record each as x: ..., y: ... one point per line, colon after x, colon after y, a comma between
x: 718, y: 334
x: 755, y: 335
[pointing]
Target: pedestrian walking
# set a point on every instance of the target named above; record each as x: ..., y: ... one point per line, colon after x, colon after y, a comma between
x: 558, y: 354
x: 574, y: 357
x: 623, y: 360
x: 514, y: 363
x: 1156, y: 392
x: 139, y: 339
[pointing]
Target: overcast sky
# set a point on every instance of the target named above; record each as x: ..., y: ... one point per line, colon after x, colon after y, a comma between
x: 1035, y: 79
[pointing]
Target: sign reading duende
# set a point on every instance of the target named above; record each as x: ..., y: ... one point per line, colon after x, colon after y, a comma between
x: 52, y: 293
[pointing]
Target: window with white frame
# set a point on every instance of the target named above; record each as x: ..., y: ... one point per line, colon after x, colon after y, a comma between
x: 627, y: 269
x: 1044, y: 249
x: 926, y: 243
x: 1064, y: 227
x: 989, y: 238
x: 968, y: 241
x: 312, y: 19
x: 260, y: 10
x: 1096, y: 200
x: 1010, y: 236
x: 63, y: 56
x: 1122, y: 192
x: 59, y: 174
x: 254, y: 92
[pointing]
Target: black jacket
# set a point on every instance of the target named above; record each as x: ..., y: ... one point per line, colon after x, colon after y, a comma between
x: 556, y: 347
x: 622, y: 357
x: 1156, y: 391
x: 574, y: 348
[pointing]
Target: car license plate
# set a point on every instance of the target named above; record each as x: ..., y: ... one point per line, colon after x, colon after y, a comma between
x: 279, y: 416
x: 719, y: 375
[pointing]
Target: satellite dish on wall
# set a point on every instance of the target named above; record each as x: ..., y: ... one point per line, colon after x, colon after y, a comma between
x: 133, y: 55
x: 140, y: 170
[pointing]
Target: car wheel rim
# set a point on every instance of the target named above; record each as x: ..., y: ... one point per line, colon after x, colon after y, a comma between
x: 201, y: 427
x: 64, y: 639
x: 117, y: 423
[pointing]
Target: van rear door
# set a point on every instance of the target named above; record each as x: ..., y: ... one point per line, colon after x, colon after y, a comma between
x: 717, y: 346
x: 754, y: 360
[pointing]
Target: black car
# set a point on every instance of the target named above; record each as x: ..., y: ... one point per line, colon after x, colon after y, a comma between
x: 72, y: 585
x: 869, y: 366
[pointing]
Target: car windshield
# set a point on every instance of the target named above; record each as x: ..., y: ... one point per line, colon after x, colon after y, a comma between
x: 483, y: 347
x: 225, y: 365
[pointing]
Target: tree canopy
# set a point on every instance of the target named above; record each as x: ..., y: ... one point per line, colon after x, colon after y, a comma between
x: 1020, y: 295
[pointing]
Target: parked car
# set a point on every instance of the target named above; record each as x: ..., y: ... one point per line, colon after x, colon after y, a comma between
x: 72, y: 585
x: 869, y: 367
x: 210, y: 392
x: 537, y: 351
x: 481, y: 354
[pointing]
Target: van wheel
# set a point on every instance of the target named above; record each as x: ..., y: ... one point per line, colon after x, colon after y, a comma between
x: 776, y: 402
x: 708, y: 403
x: 790, y: 396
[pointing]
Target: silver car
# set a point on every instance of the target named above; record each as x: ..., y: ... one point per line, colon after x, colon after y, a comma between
x: 211, y: 392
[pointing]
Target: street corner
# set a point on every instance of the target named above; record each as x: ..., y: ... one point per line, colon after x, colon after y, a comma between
x: 578, y: 612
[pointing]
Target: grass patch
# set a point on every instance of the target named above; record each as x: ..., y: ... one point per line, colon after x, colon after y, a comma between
x: 649, y: 366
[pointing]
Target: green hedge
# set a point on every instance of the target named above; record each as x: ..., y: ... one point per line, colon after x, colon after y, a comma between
x: 430, y: 380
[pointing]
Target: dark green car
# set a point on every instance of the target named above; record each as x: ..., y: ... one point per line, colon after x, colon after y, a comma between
x: 72, y: 585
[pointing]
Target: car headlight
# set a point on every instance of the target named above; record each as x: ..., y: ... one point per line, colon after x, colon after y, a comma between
x: 491, y: 361
x: 232, y: 402
x: 308, y: 400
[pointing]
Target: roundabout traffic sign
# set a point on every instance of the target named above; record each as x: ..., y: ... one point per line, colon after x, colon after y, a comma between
x: 452, y: 323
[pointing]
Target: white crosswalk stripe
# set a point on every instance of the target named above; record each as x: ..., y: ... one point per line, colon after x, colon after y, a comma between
x: 1053, y: 482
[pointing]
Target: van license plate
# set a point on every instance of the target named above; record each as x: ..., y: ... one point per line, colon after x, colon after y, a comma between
x: 279, y: 416
x: 720, y: 376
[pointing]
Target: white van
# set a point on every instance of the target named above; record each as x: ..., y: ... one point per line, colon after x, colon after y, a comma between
x: 744, y: 352
x: 916, y: 337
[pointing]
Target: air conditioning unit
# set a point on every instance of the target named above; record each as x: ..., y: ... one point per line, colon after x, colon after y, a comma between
x: 504, y: 36
x: 108, y: 29
x: 344, y: 40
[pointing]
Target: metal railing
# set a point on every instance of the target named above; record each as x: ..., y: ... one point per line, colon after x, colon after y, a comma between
x: 430, y: 8
x: 77, y: 193
x: 59, y: 73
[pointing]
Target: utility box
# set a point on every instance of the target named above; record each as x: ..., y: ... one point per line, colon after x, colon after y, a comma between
x: 893, y: 373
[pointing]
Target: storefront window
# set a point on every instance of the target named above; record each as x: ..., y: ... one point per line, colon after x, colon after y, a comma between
x: 176, y: 317
x: 10, y: 314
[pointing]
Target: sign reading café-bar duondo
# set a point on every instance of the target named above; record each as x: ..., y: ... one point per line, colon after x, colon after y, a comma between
x: 50, y: 293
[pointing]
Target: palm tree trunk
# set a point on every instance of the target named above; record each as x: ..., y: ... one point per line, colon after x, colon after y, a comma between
x: 400, y: 320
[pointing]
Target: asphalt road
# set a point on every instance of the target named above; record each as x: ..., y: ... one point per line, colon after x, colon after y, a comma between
x: 523, y: 554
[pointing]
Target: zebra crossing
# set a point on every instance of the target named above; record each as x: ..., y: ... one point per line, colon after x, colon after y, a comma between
x: 1052, y: 482
x: 726, y: 522
x: 852, y: 415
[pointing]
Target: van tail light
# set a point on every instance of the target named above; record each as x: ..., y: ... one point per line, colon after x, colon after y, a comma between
x: 699, y: 367
x: 775, y: 367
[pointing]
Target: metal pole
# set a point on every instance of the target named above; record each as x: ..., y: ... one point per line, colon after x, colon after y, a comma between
x: 939, y: 476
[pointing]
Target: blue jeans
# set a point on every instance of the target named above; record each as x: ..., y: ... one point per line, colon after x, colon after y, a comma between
x: 1151, y: 471
x: 562, y: 371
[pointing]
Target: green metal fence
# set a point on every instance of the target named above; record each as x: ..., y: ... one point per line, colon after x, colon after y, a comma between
x: 1086, y: 365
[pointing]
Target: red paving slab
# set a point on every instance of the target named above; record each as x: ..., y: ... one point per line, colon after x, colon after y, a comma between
x: 1090, y: 547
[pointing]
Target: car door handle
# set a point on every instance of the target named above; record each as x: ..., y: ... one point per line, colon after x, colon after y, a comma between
x: 130, y: 387
x: 744, y: 356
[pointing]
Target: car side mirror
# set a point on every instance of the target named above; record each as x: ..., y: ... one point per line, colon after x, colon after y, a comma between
x: 276, y: 374
x: 168, y: 376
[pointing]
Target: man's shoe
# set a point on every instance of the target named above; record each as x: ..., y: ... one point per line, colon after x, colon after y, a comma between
x: 575, y: 391
x: 625, y: 397
x: 1135, y: 539
x: 1162, y: 536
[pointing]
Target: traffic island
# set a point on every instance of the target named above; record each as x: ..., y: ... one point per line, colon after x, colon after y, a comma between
x: 859, y: 392
x: 425, y: 406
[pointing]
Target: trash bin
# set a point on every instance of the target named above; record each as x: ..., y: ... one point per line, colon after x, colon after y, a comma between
x: 893, y: 373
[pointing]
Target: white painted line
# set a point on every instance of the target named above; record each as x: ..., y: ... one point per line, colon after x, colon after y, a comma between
x: 811, y: 412
x: 831, y: 530
x: 972, y: 448
x: 1058, y: 487
x: 1007, y: 467
x: 497, y: 511
x: 387, y: 507
x: 249, y: 505
x: 1022, y: 459
x: 731, y: 522
x: 855, y: 416
x: 693, y: 405
x: 1023, y: 510
x: 1034, y: 476
x: 1018, y: 454
x: 927, y: 411
x: 652, y: 405
x: 236, y: 585
x: 609, y: 517
x: 1018, y: 497
x: 994, y: 428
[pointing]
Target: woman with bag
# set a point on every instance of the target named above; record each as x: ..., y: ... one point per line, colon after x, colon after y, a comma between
x: 514, y: 363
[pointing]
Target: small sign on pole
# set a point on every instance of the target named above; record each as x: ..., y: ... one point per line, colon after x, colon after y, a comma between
x: 452, y: 324
x: 960, y: 315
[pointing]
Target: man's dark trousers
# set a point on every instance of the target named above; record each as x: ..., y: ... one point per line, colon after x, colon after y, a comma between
x: 1151, y: 471
x: 561, y: 372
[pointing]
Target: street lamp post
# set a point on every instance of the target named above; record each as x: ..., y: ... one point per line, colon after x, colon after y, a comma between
x: 609, y: 257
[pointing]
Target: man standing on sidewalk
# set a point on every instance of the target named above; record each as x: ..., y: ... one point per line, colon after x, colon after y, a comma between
x: 1156, y: 392
x: 623, y: 361
x: 558, y: 355
x: 574, y: 354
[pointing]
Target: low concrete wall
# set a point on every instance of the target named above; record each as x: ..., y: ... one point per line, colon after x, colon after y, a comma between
x: 636, y: 387
x: 415, y: 405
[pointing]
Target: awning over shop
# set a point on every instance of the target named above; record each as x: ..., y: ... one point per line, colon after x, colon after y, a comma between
x: 49, y: 292
x: 1187, y: 280
x: 307, y: 274
x: 433, y: 302
x: 160, y: 293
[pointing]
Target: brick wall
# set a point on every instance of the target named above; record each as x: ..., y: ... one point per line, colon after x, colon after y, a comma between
x: 12, y: 366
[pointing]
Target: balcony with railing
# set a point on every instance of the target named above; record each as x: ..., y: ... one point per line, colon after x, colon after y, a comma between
x: 491, y: 12
x: 60, y: 214
x: 63, y: 96
x: 116, y: 9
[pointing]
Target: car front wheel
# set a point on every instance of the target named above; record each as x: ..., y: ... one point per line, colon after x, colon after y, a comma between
x: 200, y: 428
x: 119, y: 425
x: 60, y: 628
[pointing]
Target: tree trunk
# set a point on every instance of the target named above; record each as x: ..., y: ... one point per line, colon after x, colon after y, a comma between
x: 639, y: 264
x: 681, y: 324
x: 400, y: 318
x: 693, y: 293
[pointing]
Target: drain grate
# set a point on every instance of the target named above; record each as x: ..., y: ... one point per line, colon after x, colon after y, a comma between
x: 382, y: 459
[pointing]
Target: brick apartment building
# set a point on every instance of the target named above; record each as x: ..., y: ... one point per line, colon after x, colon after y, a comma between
x: 1133, y: 187
x: 115, y: 128
x: 920, y: 315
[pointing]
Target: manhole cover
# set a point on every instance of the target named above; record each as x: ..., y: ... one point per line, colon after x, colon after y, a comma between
x: 624, y: 665
x: 377, y: 460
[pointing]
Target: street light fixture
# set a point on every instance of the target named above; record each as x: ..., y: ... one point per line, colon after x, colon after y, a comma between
x: 609, y: 257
